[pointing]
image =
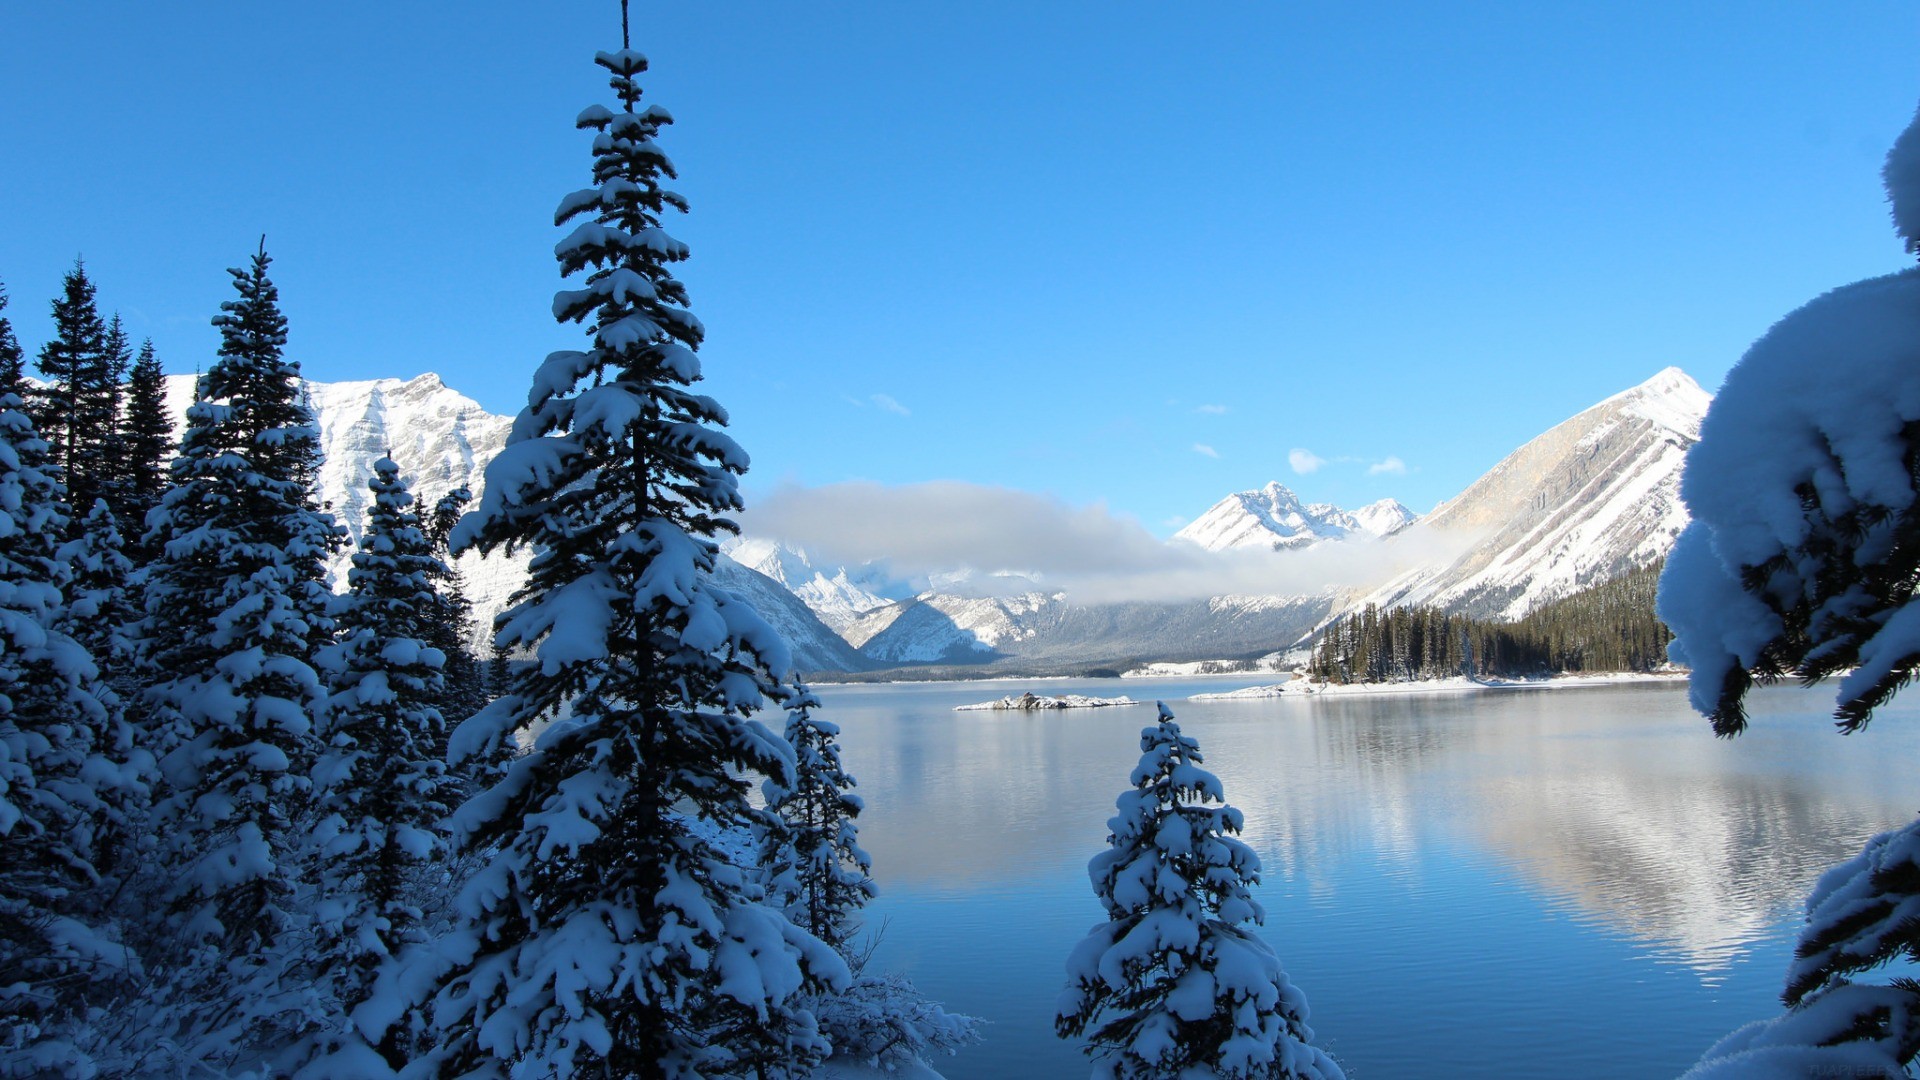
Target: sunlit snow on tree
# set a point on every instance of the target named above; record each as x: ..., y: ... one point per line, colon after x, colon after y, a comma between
x: 605, y: 933
x: 1802, y: 559
x: 1174, y: 984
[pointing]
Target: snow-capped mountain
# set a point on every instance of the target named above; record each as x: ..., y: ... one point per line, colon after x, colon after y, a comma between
x: 440, y: 438
x: 1046, y: 632
x: 1274, y: 517
x: 443, y: 440
x: 1593, y: 497
x: 837, y: 594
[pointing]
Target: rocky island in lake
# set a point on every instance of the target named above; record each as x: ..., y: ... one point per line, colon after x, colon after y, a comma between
x: 1030, y: 701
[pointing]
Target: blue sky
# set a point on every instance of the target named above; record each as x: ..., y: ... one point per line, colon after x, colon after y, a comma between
x: 1106, y: 252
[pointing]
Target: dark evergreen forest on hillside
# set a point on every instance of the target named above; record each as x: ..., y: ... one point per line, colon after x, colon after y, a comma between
x: 1608, y: 627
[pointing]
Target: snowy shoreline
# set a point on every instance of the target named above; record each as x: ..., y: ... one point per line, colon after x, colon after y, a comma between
x: 1302, y: 688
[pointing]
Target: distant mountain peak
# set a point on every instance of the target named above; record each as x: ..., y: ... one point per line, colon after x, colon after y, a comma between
x: 1671, y: 399
x: 1273, y: 517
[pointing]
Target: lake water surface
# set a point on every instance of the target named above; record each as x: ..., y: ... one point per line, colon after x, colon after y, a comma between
x: 1567, y: 883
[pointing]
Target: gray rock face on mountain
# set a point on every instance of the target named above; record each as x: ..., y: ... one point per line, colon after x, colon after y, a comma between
x: 440, y: 438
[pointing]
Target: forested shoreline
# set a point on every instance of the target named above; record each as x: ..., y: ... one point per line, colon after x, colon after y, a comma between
x: 1610, y: 627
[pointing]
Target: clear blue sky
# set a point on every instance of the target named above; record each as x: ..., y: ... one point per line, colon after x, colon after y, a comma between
x: 1054, y: 247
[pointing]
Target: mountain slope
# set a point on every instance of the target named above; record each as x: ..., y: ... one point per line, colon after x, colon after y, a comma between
x: 443, y: 440
x: 1038, y: 632
x: 1593, y: 497
x: 838, y: 595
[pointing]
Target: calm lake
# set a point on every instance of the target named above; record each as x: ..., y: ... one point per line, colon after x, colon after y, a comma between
x: 1566, y: 883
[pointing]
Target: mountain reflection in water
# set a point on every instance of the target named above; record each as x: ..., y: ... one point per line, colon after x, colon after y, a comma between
x: 1509, y: 834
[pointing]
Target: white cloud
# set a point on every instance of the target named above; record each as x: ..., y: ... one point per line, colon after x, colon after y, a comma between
x: 1391, y: 465
x: 1304, y: 461
x: 1089, y: 552
x: 1203, y: 448
x: 1211, y: 410
x: 886, y: 401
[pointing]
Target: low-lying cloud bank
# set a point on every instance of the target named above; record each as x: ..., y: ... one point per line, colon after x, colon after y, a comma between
x: 1088, y: 552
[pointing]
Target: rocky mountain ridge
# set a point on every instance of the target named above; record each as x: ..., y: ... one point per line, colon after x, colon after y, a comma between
x: 1274, y: 518
x: 1588, y: 499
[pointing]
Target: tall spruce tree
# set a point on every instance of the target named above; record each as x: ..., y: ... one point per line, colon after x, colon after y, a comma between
x: 235, y: 608
x: 146, y: 442
x: 69, y: 362
x: 13, y: 359
x: 381, y: 778
x: 56, y: 953
x: 606, y: 934
x: 107, y: 475
x: 1173, y: 984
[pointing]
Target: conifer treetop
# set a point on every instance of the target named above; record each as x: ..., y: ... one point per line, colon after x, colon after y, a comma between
x: 13, y: 359
x: 1902, y: 178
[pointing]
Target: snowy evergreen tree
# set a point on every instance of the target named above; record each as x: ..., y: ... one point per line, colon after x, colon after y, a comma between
x: 1802, y: 559
x: 382, y: 783
x: 451, y: 628
x: 235, y: 609
x: 815, y: 868
x: 102, y: 614
x: 75, y: 411
x: 609, y: 933
x: 56, y: 952
x: 816, y: 871
x: 13, y: 359
x: 146, y: 440
x: 1805, y: 544
x: 1173, y: 984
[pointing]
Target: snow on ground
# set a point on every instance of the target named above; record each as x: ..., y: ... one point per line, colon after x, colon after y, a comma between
x: 1163, y: 669
x: 1300, y: 688
x: 1029, y: 701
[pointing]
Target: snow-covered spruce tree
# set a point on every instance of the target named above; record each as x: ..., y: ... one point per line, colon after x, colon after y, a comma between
x: 814, y: 865
x: 1802, y: 559
x: 56, y: 954
x: 235, y: 610
x: 451, y: 629
x: 816, y: 870
x: 1173, y: 985
x: 381, y: 783
x: 102, y: 614
x: 146, y: 441
x: 609, y: 933
x: 1804, y: 549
